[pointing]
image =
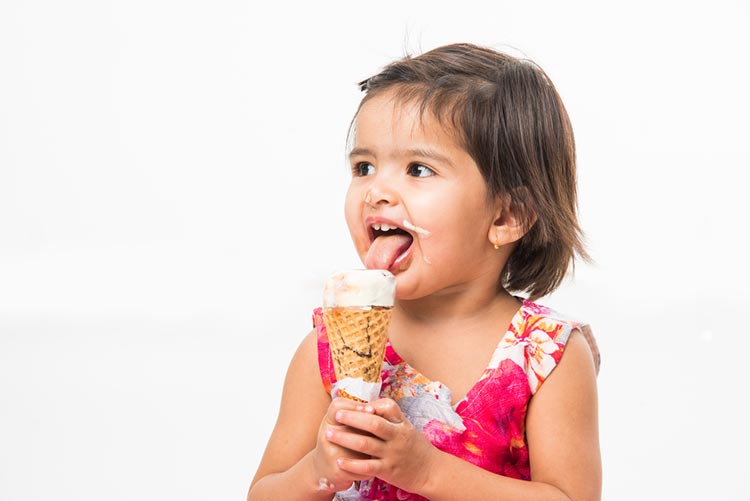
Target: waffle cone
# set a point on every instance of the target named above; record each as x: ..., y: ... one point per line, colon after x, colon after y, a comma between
x: 357, y: 337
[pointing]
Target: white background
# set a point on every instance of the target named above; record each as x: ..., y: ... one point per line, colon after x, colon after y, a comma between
x: 171, y: 184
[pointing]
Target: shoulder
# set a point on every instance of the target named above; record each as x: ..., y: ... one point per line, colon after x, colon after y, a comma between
x: 538, y: 337
x: 303, y: 382
x: 303, y: 392
x: 575, y: 373
x: 579, y: 355
x: 304, y: 363
x: 542, y: 322
x: 535, y: 318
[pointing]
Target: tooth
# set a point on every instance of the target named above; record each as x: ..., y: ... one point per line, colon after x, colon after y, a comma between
x: 385, y: 227
x: 376, y: 227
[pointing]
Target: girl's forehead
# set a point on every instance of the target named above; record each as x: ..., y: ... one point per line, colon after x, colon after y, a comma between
x: 387, y: 113
x: 385, y: 105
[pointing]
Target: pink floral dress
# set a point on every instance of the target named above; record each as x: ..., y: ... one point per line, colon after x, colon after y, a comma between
x: 486, y: 427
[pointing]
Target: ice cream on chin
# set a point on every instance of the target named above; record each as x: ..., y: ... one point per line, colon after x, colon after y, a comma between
x: 357, y: 307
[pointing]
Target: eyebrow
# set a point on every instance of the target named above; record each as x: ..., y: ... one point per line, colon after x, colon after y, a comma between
x: 361, y: 152
x: 410, y: 152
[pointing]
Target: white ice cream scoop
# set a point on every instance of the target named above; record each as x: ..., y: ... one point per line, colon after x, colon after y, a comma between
x: 359, y: 288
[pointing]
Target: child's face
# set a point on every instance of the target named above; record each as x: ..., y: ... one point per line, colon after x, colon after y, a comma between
x: 409, y: 173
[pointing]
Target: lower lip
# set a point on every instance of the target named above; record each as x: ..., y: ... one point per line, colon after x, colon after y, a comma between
x: 396, y: 266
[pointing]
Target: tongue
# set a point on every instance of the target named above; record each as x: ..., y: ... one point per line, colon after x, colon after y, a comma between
x: 384, y: 251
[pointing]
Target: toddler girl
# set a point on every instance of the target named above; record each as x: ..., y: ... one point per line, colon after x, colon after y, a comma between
x: 463, y: 186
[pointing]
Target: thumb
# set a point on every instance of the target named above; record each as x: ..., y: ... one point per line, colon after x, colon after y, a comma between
x: 388, y: 409
x: 336, y: 405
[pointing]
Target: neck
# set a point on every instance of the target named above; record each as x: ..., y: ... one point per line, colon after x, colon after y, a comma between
x: 457, y: 305
x: 478, y: 298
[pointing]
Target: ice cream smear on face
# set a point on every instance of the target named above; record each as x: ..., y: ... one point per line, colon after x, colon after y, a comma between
x: 416, y: 229
x: 357, y: 307
x: 389, y: 249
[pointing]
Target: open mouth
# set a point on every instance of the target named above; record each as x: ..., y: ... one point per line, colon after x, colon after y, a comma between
x: 389, y: 246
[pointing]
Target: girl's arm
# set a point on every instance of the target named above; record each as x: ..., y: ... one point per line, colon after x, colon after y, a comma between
x: 298, y: 462
x: 562, y: 426
x: 562, y: 434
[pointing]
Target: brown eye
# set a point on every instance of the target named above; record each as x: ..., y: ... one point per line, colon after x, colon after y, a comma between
x: 362, y: 169
x: 419, y: 170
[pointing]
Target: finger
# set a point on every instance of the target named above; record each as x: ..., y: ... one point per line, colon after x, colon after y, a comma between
x: 366, y: 445
x: 369, y: 423
x: 388, y: 409
x: 337, y: 405
x: 365, y: 468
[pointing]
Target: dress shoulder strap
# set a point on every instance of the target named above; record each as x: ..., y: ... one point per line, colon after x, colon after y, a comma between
x: 325, y: 361
x: 536, y: 340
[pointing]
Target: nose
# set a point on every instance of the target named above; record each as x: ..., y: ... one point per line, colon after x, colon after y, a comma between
x: 379, y: 193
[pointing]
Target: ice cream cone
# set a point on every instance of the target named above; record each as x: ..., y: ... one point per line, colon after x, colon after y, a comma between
x: 357, y: 337
x: 357, y: 312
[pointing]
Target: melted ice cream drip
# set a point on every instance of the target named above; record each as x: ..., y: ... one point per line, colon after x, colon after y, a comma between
x: 416, y: 229
x: 421, y: 232
x: 324, y: 484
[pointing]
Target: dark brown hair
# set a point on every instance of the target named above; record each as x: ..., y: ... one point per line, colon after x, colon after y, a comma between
x: 508, y: 116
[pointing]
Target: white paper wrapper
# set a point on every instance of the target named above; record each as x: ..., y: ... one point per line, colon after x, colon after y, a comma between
x: 356, y: 387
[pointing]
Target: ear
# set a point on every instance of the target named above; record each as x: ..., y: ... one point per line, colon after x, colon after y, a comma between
x: 509, y: 225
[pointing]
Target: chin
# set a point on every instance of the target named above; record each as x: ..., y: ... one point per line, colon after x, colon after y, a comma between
x: 406, y: 289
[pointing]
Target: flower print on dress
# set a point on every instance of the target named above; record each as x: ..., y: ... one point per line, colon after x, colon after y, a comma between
x: 376, y: 489
x: 534, y: 342
x: 543, y: 354
x: 532, y: 309
x: 351, y: 494
x: 493, y: 413
x: 426, y: 407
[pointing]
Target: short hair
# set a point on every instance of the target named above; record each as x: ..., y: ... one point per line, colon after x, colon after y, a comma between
x: 508, y: 116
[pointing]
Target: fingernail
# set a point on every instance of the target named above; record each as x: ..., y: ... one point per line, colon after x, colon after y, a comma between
x: 369, y: 408
x: 329, y: 433
x: 339, y: 415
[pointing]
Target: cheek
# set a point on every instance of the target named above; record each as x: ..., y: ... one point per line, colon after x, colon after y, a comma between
x: 349, y: 206
x: 462, y: 224
x: 353, y: 214
x: 460, y: 211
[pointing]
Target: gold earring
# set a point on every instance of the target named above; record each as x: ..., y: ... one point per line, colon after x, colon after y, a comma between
x: 498, y: 238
